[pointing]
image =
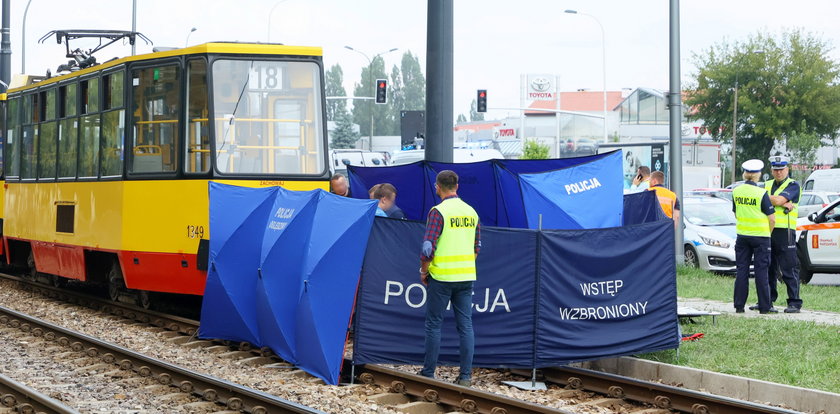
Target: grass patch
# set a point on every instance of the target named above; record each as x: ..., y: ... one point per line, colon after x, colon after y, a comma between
x: 697, y: 283
x: 798, y: 353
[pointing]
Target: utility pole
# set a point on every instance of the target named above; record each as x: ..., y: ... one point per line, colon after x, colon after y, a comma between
x: 6, y: 48
x: 133, y: 24
x: 675, y: 111
x: 439, y: 29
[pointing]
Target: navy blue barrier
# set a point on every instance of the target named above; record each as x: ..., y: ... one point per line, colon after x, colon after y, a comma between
x: 642, y: 207
x: 541, y: 298
x: 492, y: 187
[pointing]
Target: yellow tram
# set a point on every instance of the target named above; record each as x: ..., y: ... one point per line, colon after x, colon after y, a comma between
x: 107, y: 168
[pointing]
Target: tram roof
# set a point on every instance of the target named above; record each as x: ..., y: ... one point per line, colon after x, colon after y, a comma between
x: 215, y: 47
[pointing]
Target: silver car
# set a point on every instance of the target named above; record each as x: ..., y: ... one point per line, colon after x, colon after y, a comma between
x: 813, y: 201
x: 709, y: 233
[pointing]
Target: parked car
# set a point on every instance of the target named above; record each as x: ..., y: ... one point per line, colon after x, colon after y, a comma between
x: 823, y: 180
x: 722, y: 193
x: 818, y: 242
x: 341, y: 158
x: 709, y: 233
x: 813, y: 201
x: 459, y: 155
x: 586, y: 146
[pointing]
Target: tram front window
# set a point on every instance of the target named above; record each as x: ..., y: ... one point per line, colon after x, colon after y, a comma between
x: 268, y: 117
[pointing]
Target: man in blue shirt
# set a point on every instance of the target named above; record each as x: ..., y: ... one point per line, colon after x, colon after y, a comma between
x: 784, y: 194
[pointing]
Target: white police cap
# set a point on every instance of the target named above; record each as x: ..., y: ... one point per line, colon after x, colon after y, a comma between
x: 779, y: 162
x: 752, y: 165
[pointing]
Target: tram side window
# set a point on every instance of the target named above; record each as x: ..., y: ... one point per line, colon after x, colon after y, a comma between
x: 50, y: 105
x: 90, y: 96
x: 29, y: 137
x: 68, y: 130
x: 155, y: 112
x: 67, y: 100
x: 29, y: 152
x: 198, y: 127
x: 113, y: 126
x: 67, y: 136
x: 46, y: 150
x: 89, y: 146
x: 13, y: 139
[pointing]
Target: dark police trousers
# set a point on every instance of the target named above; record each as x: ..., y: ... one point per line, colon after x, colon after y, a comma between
x: 783, y: 259
x: 756, y: 250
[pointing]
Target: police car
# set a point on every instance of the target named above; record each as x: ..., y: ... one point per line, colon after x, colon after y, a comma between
x: 709, y: 233
x: 818, y: 242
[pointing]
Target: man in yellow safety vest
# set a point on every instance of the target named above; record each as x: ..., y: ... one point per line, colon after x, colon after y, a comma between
x: 755, y: 219
x: 784, y: 195
x: 447, y: 268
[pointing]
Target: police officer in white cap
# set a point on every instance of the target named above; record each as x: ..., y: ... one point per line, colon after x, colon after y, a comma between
x: 756, y: 219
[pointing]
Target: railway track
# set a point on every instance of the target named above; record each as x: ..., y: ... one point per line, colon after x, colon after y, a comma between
x: 212, y: 390
x: 27, y: 400
x: 659, y: 395
x: 449, y: 396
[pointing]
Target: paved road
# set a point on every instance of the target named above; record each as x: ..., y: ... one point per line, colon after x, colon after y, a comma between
x: 825, y: 279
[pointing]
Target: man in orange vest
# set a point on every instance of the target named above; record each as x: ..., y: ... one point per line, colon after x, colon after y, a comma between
x: 667, y: 198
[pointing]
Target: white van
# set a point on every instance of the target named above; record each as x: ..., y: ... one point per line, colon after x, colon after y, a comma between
x: 459, y: 155
x: 823, y: 180
x: 341, y: 158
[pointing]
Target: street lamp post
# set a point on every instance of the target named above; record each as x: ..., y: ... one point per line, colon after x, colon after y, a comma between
x: 370, y: 82
x: 23, y: 40
x: 734, y: 129
x: 187, y: 42
x: 603, y: 62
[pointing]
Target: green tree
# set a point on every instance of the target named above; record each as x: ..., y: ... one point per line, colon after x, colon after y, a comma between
x: 335, y: 87
x: 361, y: 109
x: 344, y: 136
x: 414, y: 83
x: 474, y: 114
x: 461, y: 119
x: 396, y: 101
x: 533, y: 150
x: 788, y: 91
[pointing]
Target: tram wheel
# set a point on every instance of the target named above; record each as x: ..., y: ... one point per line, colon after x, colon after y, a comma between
x: 116, y: 284
x: 57, y: 281
x: 144, y: 297
x: 30, y: 264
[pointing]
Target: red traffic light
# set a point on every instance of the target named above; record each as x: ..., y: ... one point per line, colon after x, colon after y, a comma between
x: 381, y: 84
x: 482, y: 94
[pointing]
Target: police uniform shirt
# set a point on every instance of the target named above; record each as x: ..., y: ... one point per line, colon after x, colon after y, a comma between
x: 791, y: 192
x: 766, y: 206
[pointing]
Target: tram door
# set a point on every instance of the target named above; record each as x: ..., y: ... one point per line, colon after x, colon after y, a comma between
x: 155, y: 112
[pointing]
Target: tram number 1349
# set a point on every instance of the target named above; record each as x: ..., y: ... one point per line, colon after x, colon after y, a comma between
x: 195, y: 232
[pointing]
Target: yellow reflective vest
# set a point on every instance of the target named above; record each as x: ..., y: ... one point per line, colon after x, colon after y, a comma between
x: 783, y: 221
x: 454, y: 259
x: 751, y: 221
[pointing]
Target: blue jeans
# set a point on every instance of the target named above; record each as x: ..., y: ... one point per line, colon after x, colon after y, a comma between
x: 438, y: 295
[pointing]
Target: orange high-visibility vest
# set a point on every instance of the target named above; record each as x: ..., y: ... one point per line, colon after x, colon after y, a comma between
x: 667, y: 199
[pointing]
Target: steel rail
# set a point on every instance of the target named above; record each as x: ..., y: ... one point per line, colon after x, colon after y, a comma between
x: 467, y: 399
x: 166, y: 321
x: 24, y: 399
x: 661, y: 395
x: 235, y: 397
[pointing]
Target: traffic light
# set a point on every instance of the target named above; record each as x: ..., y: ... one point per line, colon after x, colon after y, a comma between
x: 481, y: 102
x: 381, y: 91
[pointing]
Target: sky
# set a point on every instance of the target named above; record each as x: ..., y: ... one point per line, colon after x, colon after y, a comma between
x: 494, y: 41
